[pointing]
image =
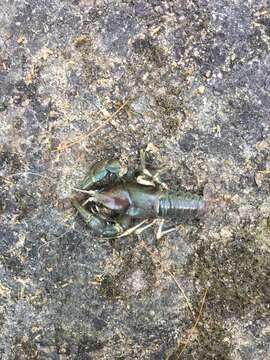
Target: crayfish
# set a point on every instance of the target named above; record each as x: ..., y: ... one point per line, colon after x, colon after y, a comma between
x: 118, y: 198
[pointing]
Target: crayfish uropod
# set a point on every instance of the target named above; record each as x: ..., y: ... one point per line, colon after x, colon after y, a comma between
x: 117, y: 198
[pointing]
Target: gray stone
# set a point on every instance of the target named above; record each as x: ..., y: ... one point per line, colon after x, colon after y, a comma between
x: 196, y: 74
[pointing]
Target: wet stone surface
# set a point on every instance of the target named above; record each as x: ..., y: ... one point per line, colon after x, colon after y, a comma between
x: 197, y: 78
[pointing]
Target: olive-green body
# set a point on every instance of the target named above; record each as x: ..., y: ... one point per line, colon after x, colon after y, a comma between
x: 140, y: 201
x: 127, y: 199
x: 135, y: 200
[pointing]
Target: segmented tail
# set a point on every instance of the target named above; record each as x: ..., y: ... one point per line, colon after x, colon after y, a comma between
x: 183, y: 205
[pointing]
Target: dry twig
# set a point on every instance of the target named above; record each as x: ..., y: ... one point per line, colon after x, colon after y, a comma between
x: 182, y: 292
x: 164, y: 270
x: 63, y: 147
x: 187, y: 342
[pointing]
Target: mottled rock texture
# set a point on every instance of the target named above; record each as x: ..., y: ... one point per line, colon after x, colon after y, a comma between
x: 196, y: 75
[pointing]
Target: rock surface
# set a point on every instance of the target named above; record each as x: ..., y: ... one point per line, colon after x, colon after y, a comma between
x: 195, y: 76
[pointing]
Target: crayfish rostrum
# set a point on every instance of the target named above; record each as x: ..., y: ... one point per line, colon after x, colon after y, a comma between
x: 120, y: 201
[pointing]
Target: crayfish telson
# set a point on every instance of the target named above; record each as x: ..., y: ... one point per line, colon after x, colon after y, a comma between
x: 118, y: 197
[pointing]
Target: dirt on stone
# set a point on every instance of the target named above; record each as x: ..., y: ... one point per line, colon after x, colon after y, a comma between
x: 85, y: 80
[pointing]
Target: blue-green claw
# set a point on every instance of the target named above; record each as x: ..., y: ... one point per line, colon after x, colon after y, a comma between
x: 101, y: 170
x: 99, y: 226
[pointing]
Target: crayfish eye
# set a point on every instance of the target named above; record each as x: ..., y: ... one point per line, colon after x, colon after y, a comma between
x: 108, y: 213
